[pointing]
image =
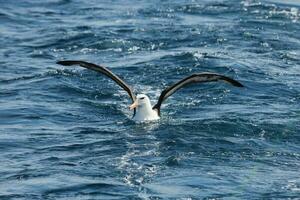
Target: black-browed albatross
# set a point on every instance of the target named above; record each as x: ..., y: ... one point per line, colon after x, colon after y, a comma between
x: 143, y: 111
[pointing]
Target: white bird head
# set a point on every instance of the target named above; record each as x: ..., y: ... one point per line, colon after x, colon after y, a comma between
x: 142, y: 102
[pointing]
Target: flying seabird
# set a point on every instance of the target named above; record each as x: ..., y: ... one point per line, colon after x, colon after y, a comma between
x: 143, y: 111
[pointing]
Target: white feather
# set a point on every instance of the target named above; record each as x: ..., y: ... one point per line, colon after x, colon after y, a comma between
x: 144, y: 111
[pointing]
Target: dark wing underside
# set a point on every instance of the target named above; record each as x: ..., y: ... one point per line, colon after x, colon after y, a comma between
x: 102, y: 70
x: 194, y: 78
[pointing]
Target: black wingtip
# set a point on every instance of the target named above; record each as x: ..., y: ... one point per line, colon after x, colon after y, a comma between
x: 238, y: 84
x: 232, y: 81
x: 64, y: 62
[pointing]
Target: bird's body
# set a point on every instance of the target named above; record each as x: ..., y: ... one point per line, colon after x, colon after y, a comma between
x: 143, y: 110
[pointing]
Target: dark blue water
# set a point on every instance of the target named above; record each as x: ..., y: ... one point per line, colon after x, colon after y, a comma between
x: 66, y: 133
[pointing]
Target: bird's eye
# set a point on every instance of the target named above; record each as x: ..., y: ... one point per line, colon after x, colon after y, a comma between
x: 142, y: 98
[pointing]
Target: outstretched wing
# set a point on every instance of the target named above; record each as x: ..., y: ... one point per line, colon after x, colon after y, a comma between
x: 194, y: 78
x: 102, y: 70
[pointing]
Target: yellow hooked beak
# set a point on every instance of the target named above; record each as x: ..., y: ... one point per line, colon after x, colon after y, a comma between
x: 134, y: 105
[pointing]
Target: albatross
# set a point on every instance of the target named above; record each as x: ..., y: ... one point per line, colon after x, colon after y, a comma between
x: 141, y: 105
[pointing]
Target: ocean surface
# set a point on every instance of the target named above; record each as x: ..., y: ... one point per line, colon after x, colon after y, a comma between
x: 67, y: 133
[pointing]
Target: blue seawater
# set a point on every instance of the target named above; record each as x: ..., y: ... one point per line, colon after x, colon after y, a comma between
x: 66, y: 132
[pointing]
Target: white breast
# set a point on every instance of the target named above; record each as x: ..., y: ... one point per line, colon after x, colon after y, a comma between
x: 145, y: 115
